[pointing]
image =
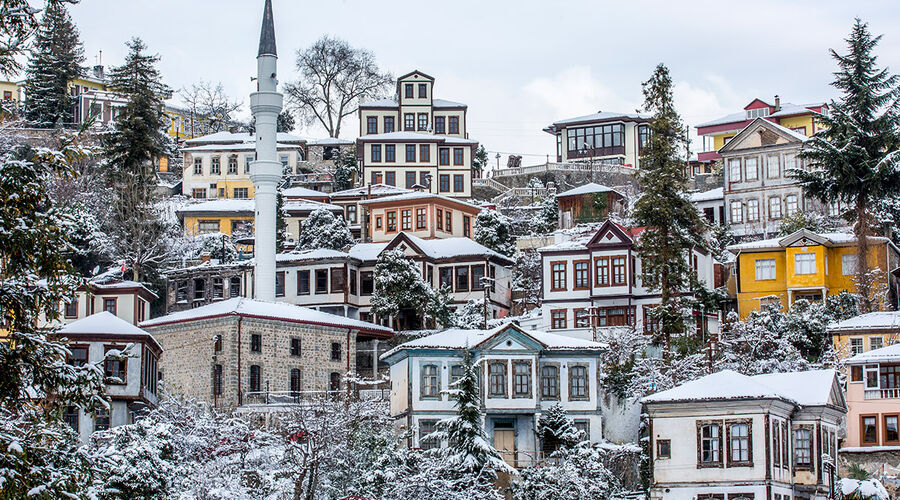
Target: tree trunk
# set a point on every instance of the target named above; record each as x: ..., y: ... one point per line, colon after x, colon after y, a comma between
x: 863, y: 278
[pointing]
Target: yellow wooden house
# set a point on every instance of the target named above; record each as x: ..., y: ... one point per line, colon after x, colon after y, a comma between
x: 865, y: 332
x: 808, y: 265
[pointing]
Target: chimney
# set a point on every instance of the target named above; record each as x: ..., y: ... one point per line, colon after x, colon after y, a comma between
x: 777, y: 103
x: 98, y: 71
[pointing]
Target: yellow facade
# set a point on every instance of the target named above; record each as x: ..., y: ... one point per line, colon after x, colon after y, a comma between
x: 10, y: 91
x: 810, y: 125
x: 192, y: 224
x: 829, y: 277
x: 719, y: 139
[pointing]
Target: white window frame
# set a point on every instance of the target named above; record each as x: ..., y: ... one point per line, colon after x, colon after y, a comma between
x: 856, y: 345
x: 752, y: 210
x: 765, y: 269
x: 805, y: 263
x: 848, y: 264
x: 774, y: 207
x: 734, y: 170
x: 790, y: 161
x: 736, y: 208
x: 791, y: 204
x: 770, y: 163
x: 754, y: 162
x: 876, y: 342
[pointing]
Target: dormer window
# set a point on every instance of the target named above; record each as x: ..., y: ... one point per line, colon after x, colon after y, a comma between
x: 757, y: 113
x: 408, y: 91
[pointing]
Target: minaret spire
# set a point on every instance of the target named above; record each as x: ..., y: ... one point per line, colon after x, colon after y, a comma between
x: 267, y: 34
x: 266, y: 171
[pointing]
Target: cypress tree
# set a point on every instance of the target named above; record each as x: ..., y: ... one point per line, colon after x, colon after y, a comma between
x: 673, y: 224
x: 56, y: 59
x: 854, y: 158
x: 131, y: 150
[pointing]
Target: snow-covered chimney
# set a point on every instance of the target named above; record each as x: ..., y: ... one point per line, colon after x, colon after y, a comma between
x: 266, y: 171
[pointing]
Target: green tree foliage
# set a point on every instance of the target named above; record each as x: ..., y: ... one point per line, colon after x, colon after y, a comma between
x: 399, y: 287
x: 492, y: 229
x: 854, y: 158
x: 131, y: 150
x: 346, y: 168
x: 556, y: 429
x: 546, y: 220
x: 38, y: 451
x: 673, y: 224
x: 56, y: 59
x: 810, y: 221
x: 480, y: 160
x: 280, y: 221
x: 285, y: 122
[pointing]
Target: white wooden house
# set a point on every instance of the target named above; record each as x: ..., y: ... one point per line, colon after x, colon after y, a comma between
x: 593, y: 281
x: 131, y: 383
x: 521, y: 374
x: 729, y: 436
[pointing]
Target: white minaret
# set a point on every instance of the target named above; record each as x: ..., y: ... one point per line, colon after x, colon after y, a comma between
x: 266, y: 171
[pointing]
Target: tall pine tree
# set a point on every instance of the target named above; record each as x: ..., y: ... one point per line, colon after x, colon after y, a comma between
x: 131, y: 150
x: 56, y: 59
x: 854, y: 158
x: 673, y: 224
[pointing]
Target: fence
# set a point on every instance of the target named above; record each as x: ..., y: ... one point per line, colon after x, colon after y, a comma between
x: 564, y: 166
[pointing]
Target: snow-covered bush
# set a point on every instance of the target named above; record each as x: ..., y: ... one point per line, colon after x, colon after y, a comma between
x: 556, y: 430
x: 527, y: 276
x: 322, y: 229
x: 577, y: 474
x: 469, y: 316
x: 492, y: 229
x: 861, y: 489
x: 547, y: 219
x: 399, y: 286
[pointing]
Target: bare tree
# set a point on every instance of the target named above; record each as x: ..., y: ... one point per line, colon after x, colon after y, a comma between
x: 334, y: 78
x: 210, y: 110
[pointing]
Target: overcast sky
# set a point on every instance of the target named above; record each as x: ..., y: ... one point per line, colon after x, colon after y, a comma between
x: 519, y: 65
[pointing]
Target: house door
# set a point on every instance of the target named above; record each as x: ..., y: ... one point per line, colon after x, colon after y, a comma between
x: 505, y: 443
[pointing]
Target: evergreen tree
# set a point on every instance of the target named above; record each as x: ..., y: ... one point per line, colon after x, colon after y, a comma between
x: 547, y: 218
x: 399, y: 287
x: 492, y: 229
x: 131, y: 150
x: 557, y: 430
x: 323, y: 230
x: 280, y: 221
x: 39, y: 454
x: 55, y: 60
x: 345, y: 170
x: 673, y: 224
x: 285, y: 122
x: 854, y: 157
x: 479, y: 161
x: 468, y: 457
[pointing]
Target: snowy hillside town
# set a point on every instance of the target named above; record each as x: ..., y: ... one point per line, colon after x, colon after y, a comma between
x: 324, y: 284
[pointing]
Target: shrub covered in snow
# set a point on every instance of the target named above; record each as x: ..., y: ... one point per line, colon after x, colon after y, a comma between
x: 399, y: 286
x: 492, y: 229
x: 323, y: 230
x: 861, y: 489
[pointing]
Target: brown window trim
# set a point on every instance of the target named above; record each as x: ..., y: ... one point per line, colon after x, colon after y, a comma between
x: 531, y: 384
x: 732, y: 496
x: 124, y: 361
x: 700, y: 463
x: 505, y: 364
x: 587, y: 381
x: 596, y: 276
x: 612, y: 281
x: 66, y: 309
x: 659, y: 454
x: 565, y: 284
x: 575, y: 276
x: 862, y: 430
x: 711, y: 496
x: 729, y: 461
x: 884, y: 439
x: 812, y: 446
x: 387, y: 229
x: 565, y: 319
x: 540, y: 394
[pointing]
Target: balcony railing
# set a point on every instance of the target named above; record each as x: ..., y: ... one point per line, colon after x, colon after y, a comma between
x: 301, y: 397
x: 882, y: 393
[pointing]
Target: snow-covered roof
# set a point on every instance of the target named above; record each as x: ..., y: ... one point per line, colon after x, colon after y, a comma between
x: 456, y: 338
x: 370, y: 189
x: 366, y: 252
x: 809, y: 388
x: 602, y: 116
x: 268, y: 310
x: 789, y: 109
x: 887, y: 353
x: 446, y: 248
x: 332, y: 141
x: 388, y: 102
x: 729, y: 118
x: 245, y: 146
x: 830, y: 239
x: 416, y: 136
x: 713, y: 194
x: 590, y: 187
x: 302, y: 192
x: 419, y: 195
x: 309, y: 205
x: 311, y: 255
x: 576, y: 243
x: 797, y: 135
x: 443, y: 103
x: 240, y: 205
x: 873, y: 321
x: 239, y: 137
x: 101, y: 323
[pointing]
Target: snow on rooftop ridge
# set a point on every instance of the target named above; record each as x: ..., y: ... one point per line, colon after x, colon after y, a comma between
x: 710, y: 195
x: 590, y: 187
x: 807, y: 388
x: 887, y: 353
x: 366, y: 252
x: 444, y: 103
x: 270, y: 310
x: 831, y: 238
x: 101, y: 323
x: 371, y: 189
x: 415, y: 136
x: 445, y: 248
x: 729, y: 118
x: 303, y: 191
x: 879, y: 320
x: 388, y: 102
x: 314, y: 254
x: 418, y: 195
x: 332, y: 141
x: 602, y: 115
x: 457, y: 338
